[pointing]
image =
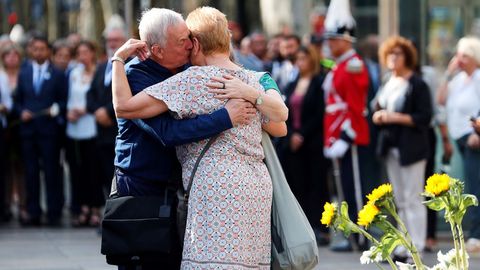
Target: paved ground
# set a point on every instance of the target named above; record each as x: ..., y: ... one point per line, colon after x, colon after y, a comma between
x: 79, y: 249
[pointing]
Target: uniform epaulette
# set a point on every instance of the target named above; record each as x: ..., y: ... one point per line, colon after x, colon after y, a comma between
x: 354, y: 65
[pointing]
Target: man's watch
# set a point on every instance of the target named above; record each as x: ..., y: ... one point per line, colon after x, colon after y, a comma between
x: 259, y: 100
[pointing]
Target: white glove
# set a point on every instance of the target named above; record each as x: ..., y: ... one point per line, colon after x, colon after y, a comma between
x: 337, y: 150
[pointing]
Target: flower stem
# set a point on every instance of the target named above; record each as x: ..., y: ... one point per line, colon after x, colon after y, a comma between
x: 455, y: 242
x: 405, y: 236
x: 375, y: 241
x: 462, y: 246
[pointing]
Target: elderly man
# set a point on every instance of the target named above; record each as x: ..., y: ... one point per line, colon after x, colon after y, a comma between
x: 145, y: 162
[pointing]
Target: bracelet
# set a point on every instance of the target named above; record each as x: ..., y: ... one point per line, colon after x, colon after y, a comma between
x: 117, y: 58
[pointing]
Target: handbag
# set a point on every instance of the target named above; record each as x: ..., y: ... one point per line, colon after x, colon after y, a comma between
x: 294, y: 246
x: 183, y: 195
x: 139, y: 230
x: 143, y: 230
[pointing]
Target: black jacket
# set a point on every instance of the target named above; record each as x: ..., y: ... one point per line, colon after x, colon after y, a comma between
x: 412, y: 142
x: 100, y: 96
x: 313, y: 109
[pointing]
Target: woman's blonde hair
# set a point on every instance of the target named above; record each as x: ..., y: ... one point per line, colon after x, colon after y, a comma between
x: 470, y: 46
x: 210, y: 27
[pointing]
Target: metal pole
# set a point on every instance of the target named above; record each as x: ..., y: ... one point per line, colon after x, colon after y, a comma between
x: 357, y: 185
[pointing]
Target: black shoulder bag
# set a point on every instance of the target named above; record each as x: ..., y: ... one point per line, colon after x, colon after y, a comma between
x: 143, y: 230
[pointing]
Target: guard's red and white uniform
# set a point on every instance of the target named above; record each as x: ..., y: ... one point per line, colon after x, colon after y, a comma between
x: 346, y: 88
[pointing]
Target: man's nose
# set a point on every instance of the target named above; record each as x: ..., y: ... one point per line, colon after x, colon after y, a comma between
x: 189, y: 45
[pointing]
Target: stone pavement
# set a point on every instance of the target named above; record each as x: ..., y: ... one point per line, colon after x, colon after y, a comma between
x: 79, y: 249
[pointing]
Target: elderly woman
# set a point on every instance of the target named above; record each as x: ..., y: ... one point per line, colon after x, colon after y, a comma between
x: 228, y: 225
x: 461, y: 94
x: 403, y: 113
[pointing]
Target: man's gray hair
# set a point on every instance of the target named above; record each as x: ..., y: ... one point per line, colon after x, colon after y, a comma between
x: 155, y: 23
x: 115, y: 23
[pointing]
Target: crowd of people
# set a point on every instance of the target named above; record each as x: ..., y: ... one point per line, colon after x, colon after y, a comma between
x: 345, y: 121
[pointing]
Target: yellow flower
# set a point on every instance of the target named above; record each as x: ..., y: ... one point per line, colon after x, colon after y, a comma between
x: 328, y: 214
x: 367, y: 214
x: 379, y: 193
x: 437, y: 184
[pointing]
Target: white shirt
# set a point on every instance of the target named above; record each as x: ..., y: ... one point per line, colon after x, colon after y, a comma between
x: 391, y: 96
x: 85, y: 127
x: 463, y: 102
x: 5, y: 97
x: 40, y: 71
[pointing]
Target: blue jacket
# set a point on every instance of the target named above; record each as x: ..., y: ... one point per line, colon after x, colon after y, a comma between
x: 53, y: 90
x: 144, y: 148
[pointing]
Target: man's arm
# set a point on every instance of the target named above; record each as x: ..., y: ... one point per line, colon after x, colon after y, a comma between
x: 172, y: 132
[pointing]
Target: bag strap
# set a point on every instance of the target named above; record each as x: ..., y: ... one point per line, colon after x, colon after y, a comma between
x: 195, y: 167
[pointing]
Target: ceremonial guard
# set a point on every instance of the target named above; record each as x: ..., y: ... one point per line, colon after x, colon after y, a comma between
x: 345, y: 124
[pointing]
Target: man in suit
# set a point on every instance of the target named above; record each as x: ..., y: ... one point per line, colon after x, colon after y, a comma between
x: 40, y: 103
x: 99, y: 103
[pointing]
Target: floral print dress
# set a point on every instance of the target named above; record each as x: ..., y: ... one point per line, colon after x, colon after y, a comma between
x: 228, y: 224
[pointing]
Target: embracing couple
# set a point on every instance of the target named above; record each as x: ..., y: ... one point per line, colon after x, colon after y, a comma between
x: 161, y: 101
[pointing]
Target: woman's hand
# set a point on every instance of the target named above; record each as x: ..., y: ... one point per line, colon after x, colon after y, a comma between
x: 131, y: 48
x: 380, y: 117
x: 296, y: 141
x: 229, y: 87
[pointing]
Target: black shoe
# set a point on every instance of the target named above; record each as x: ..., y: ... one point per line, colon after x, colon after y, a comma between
x: 398, y: 258
x: 343, y: 246
x: 321, y: 237
x: 30, y: 222
x: 54, y: 223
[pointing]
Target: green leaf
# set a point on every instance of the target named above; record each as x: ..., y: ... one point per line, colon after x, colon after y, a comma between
x: 388, y: 243
x: 435, y: 204
x: 469, y: 200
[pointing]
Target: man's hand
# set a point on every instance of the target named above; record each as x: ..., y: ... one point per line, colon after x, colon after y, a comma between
x: 296, y: 141
x: 26, y: 115
x: 473, y: 141
x: 131, y: 48
x: 337, y: 150
x: 102, y: 117
x: 241, y: 112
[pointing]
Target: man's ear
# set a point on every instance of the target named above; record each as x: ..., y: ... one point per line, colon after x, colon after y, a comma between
x: 157, y: 51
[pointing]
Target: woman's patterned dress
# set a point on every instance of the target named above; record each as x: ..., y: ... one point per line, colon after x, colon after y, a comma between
x: 228, y: 225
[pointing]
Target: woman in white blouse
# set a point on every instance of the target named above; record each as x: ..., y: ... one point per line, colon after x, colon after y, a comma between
x: 461, y: 95
x: 81, y: 131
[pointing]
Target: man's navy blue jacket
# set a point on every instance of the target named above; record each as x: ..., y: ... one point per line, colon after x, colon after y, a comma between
x: 53, y: 90
x: 144, y: 148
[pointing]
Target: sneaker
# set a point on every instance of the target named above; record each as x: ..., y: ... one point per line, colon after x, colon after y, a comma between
x: 473, y: 247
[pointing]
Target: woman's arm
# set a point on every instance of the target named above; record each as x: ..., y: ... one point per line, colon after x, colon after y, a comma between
x: 275, y: 129
x: 126, y: 105
x: 272, y: 106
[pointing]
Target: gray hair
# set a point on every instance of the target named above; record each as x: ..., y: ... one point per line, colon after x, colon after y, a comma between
x: 115, y: 23
x: 155, y: 23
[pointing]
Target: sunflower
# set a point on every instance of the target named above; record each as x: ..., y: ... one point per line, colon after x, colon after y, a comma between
x: 367, y: 214
x: 379, y: 193
x: 328, y: 214
x: 437, y: 184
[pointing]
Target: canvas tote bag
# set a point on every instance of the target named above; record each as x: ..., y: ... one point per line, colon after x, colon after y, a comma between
x: 294, y: 246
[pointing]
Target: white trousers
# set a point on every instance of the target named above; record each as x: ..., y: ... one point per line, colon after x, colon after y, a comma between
x: 408, y: 184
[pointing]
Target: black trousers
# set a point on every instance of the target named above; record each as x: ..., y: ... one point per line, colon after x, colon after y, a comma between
x: 306, y: 173
x: 3, y: 183
x: 42, y: 152
x: 86, y: 188
x: 105, y: 153
x: 429, y: 170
